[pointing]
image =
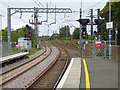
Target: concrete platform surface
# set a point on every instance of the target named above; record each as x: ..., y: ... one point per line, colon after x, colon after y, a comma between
x: 7, y: 58
x: 71, y: 78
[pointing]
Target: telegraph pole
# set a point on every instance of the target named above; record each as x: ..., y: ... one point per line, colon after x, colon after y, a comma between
x: 36, y: 23
x: 9, y: 28
x: 91, y: 16
x: 110, y: 30
x: 35, y: 27
x: 80, y: 31
x: 98, y: 36
x: 91, y: 24
x: 47, y: 14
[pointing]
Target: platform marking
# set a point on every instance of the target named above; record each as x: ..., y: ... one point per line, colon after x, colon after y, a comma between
x: 62, y: 81
x: 87, y: 75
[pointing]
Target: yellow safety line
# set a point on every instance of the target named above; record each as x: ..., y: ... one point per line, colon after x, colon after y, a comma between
x: 87, y: 75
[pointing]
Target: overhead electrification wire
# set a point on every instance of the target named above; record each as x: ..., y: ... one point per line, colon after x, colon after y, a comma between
x: 40, y: 3
x: 4, y: 4
x: 93, y: 6
x: 44, y: 7
x: 62, y: 18
x: 59, y: 21
x: 15, y: 17
x: 90, y: 6
x: 11, y: 7
x: 36, y: 3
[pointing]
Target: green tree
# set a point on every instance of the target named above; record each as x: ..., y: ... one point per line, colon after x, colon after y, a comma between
x: 62, y: 32
x: 4, y: 34
x: 76, y: 33
x: 15, y: 34
x: 44, y: 38
x: 54, y: 36
x: 115, y: 13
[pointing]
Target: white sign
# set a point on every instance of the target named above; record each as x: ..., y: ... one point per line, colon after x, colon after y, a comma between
x: 109, y: 25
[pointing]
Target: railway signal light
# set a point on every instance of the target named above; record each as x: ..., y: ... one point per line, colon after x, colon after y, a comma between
x: 83, y: 21
x: 30, y: 35
x: 28, y: 27
x: 83, y: 36
x: 29, y: 32
x: 95, y: 32
x: 99, y: 33
x: 83, y: 31
x: 99, y: 30
x: 99, y: 22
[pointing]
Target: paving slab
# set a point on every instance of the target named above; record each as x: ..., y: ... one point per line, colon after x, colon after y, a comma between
x: 103, y: 73
x: 71, y: 78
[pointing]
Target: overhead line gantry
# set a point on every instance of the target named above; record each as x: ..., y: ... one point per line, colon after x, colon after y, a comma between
x: 30, y: 10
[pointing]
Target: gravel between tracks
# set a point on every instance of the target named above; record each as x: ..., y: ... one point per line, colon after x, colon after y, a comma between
x: 48, y: 81
x: 28, y: 76
x: 17, y: 71
x: 11, y: 66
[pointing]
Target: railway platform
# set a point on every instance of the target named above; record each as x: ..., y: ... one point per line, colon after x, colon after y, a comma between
x: 86, y: 73
x: 71, y: 78
x: 12, y: 57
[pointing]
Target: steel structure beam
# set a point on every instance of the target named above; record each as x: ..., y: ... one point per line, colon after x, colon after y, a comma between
x: 41, y: 10
x: 9, y: 29
x: 11, y: 11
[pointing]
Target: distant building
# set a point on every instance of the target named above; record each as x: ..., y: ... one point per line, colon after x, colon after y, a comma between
x: 24, y: 43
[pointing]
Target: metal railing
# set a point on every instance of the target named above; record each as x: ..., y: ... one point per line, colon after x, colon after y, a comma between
x: 89, y: 49
x: 4, y: 49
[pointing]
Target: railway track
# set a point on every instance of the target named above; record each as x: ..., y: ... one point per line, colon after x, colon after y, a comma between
x: 61, y: 59
x: 64, y: 69
x: 51, y: 77
x: 4, y: 72
x: 12, y: 74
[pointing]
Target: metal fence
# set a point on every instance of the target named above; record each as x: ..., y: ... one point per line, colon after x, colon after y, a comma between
x: 90, y: 50
x: 4, y: 49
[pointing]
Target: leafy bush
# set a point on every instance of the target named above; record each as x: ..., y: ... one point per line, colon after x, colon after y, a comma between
x: 27, y: 56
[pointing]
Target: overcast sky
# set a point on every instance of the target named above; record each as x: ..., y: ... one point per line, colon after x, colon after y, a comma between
x: 74, y: 5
